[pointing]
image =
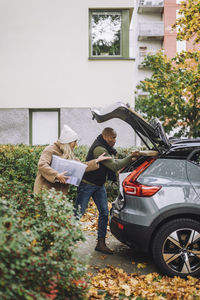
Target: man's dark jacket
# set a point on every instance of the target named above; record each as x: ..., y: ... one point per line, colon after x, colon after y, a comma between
x: 99, y: 176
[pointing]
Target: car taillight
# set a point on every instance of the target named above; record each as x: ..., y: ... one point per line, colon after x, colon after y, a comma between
x: 133, y: 187
x: 119, y: 225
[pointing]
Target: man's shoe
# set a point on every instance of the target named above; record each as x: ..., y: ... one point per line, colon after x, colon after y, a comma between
x: 101, y: 247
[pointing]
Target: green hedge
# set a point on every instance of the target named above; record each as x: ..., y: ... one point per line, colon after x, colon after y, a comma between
x: 19, y: 164
x: 38, y: 234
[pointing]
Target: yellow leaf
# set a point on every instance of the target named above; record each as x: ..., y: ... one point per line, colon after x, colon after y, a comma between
x: 141, y: 266
x: 120, y: 270
x: 149, y: 277
x: 103, y: 257
x: 127, y: 289
x: 133, y: 281
x: 37, y: 216
x: 34, y: 242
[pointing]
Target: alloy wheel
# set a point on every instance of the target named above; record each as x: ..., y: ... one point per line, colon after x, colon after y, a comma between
x: 181, y: 250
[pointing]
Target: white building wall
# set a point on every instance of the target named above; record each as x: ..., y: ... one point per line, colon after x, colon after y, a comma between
x: 44, y: 64
x: 44, y: 57
x: 152, y: 44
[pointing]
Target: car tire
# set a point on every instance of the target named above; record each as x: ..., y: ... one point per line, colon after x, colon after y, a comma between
x: 176, y: 248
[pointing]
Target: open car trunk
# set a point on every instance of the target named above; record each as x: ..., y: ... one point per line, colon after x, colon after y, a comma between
x: 153, y: 136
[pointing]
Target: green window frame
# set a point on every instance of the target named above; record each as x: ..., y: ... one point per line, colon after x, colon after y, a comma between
x: 124, y: 33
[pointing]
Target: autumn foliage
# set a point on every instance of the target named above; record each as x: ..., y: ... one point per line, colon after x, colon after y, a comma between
x: 173, y: 93
x: 114, y: 283
x: 188, y: 24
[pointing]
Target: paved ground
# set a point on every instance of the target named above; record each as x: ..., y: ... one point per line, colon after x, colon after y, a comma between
x: 123, y: 256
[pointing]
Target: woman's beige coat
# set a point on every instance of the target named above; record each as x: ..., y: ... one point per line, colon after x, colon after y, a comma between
x: 46, y: 176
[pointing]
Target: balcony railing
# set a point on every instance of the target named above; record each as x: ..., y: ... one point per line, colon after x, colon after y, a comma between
x: 142, y: 93
x: 141, y: 56
x: 152, y: 6
x: 150, y: 31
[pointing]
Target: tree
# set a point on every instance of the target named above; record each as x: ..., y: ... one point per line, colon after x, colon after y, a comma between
x: 188, y: 24
x: 173, y: 92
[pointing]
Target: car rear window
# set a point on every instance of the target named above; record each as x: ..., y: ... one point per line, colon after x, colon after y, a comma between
x: 195, y: 158
x: 134, y: 164
x: 181, y: 153
x: 167, y: 168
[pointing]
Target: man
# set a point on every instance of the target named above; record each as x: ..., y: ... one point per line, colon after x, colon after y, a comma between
x: 92, y: 184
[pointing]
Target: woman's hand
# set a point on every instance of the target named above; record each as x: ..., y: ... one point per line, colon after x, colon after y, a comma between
x: 102, y: 157
x: 61, y: 177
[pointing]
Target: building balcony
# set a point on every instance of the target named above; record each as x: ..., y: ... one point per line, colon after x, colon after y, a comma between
x: 147, y: 31
x: 141, y: 93
x: 150, y: 6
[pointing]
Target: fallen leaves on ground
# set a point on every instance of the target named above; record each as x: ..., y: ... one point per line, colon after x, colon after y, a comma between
x: 115, y: 283
x: 141, y: 265
x: 103, y: 257
x: 90, y: 218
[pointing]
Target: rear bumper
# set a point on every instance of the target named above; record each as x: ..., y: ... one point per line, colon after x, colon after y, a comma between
x: 135, y: 236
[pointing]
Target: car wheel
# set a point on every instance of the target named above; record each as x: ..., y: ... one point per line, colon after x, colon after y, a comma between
x: 176, y: 248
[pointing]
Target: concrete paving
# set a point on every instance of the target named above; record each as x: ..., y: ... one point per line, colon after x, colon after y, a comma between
x: 123, y: 257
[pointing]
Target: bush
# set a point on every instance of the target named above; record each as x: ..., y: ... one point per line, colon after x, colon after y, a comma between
x: 37, y: 245
x: 18, y: 166
x: 38, y: 235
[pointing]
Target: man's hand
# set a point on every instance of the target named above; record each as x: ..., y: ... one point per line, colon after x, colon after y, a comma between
x: 61, y: 177
x: 135, y: 154
x: 102, y: 157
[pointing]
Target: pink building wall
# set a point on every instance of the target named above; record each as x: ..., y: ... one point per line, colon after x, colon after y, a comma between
x: 169, y: 17
x: 169, y: 42
x: 191, y: 46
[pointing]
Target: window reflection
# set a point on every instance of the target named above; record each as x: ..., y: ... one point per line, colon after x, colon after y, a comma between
x: 167, y: 168
x: 195, y: 159
x: 106, y: 33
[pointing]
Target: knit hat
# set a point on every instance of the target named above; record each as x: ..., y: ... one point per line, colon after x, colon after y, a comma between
x: 68, y: 135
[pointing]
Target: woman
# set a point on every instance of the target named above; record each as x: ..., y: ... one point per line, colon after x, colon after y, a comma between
x: 47, y: 177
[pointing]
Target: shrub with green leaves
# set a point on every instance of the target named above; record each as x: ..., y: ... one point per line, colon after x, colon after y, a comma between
x: 18, y: 168
x: 18, y: 163
x: 38, y: 234
x: 37, y: 247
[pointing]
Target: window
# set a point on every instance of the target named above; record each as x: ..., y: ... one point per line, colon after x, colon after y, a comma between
x: 193, y: 170
x: 109, y: 33
x: 195, y: 159
x: 181, y: 153
x: 44, y: 126
x: 180, y: 45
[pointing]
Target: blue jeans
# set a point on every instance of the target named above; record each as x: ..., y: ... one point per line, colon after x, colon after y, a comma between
x: 98, y: 193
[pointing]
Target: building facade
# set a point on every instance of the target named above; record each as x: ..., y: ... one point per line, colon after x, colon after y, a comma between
x: 60, y: 58
x: 172, y: 46
x: 49, y: 75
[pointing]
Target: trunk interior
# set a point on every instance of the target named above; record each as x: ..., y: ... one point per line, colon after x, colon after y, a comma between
x: 134, y: 164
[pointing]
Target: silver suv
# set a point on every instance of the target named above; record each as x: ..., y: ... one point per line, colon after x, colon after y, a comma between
x: 158, y: 207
